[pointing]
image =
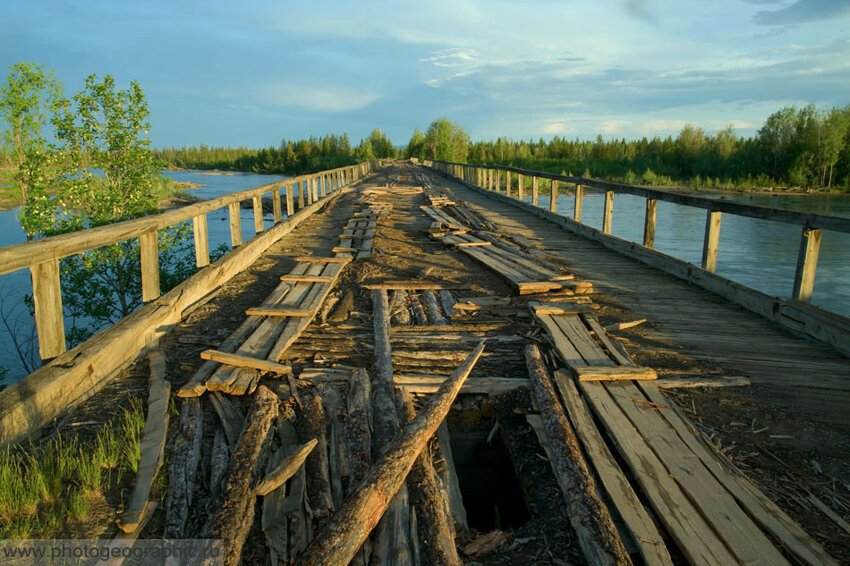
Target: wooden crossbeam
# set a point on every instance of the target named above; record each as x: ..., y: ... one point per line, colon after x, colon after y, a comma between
x: 411, y: 285
x: 238, y: 360
x: 472, y: 244
x: 308, y: 278
x: 341, y: 249
x: 613, y: 373
x: 280, y: 311
x: 312, y: 259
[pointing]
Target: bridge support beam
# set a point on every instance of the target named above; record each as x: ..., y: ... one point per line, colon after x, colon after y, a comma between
x: 807, y: 263
x: 49, y: 320
x: 649, y: 223
x: 608, y: 212
x: 578, y: 202
x: 712, y: 240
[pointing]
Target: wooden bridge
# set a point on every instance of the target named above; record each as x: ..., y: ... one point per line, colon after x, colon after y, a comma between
x: 332, y: 346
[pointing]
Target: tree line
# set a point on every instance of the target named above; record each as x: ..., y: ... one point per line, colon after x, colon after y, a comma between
x: 804, y: 147
x: 291, y: 157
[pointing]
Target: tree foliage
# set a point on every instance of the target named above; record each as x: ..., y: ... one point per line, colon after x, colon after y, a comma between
x: 25, y: 101
x: 100, y: 170
x: 446, y: 141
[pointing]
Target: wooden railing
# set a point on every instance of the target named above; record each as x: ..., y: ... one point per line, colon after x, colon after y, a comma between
x: 512, y: 182
x: 42, y: 256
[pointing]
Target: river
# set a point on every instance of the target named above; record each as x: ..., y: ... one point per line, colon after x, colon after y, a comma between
x: 757, y: 253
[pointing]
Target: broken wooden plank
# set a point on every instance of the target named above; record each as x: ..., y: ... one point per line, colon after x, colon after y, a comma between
x: 412, y: 285
x: 426, y: 384
x: 553, y: 309
x: 285, y: 469
x: 613, y: 373
x: 237, y: 360
x: 316, y: 259
x: 308, y: 278
x: 707, y: 381
x: 152, y: 444
x: 280, y: 311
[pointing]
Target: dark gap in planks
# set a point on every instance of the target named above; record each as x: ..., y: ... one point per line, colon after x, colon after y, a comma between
x: 491, y: 492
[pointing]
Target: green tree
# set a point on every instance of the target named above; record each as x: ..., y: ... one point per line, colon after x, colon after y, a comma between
x: 25, y: 99
x: 446, y: 141
x: 416, y: 145
x: 101, y: 170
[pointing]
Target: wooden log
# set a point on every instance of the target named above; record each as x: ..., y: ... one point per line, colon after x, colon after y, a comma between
x: 433, y: 309
x: 411, y: 285
x: 591, y: 521
x: 235, y: 511
x: 472, y: 244
x: 327, y: 307
x: 343, y: 307
x: 339, y: 540
x: 285, y: 469
x: 311, y: 424
x: 436, y: 532
x: 246, y: 362
x: 400, y: 307
x: 219, y: 459
x: 183, y: 467
x: 359, y: 428
x: 152, y: 444
x: 337, y: 453
x: 382, y: 351
x: 418, y: 311
x: 448, y: 302
x: 613, y: 373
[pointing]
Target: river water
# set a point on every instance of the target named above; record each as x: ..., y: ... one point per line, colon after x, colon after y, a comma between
x: 757, y: 253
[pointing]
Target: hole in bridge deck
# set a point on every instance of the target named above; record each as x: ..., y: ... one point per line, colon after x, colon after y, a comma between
x: 491, y: 492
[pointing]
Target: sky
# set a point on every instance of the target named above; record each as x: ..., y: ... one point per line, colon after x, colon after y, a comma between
x: 251, y: 73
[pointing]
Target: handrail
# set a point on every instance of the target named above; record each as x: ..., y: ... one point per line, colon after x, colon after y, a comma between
x: 810, y: 220
x: 42, y: 256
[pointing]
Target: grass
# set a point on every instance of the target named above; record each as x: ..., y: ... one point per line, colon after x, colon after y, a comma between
x: 48, y: 489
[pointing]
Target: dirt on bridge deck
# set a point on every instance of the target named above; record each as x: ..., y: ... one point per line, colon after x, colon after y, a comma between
x: 790, y: 454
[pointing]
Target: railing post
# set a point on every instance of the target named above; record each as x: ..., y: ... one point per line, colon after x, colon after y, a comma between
x: 520, y: 188
x: 149, y: 243
x: 578, y: 203
x: 489, y: 179
x: 235, y: 224
x: 47, y: 296
x: 807, y: 264
x: 498, y: 175
x: 202, y: 241
x: 276, y: 207
x: 553, y: 195
x: 508, y: 183
x: 712, y: 240
x: 290, y: 201
x: 258, y: 213
x: 316, y: 188
x: 649, y: 223
x: 608, y: 212
x: 535, y: 190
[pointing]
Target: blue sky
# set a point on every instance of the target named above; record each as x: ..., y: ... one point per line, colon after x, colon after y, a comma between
x: 254, y: 72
